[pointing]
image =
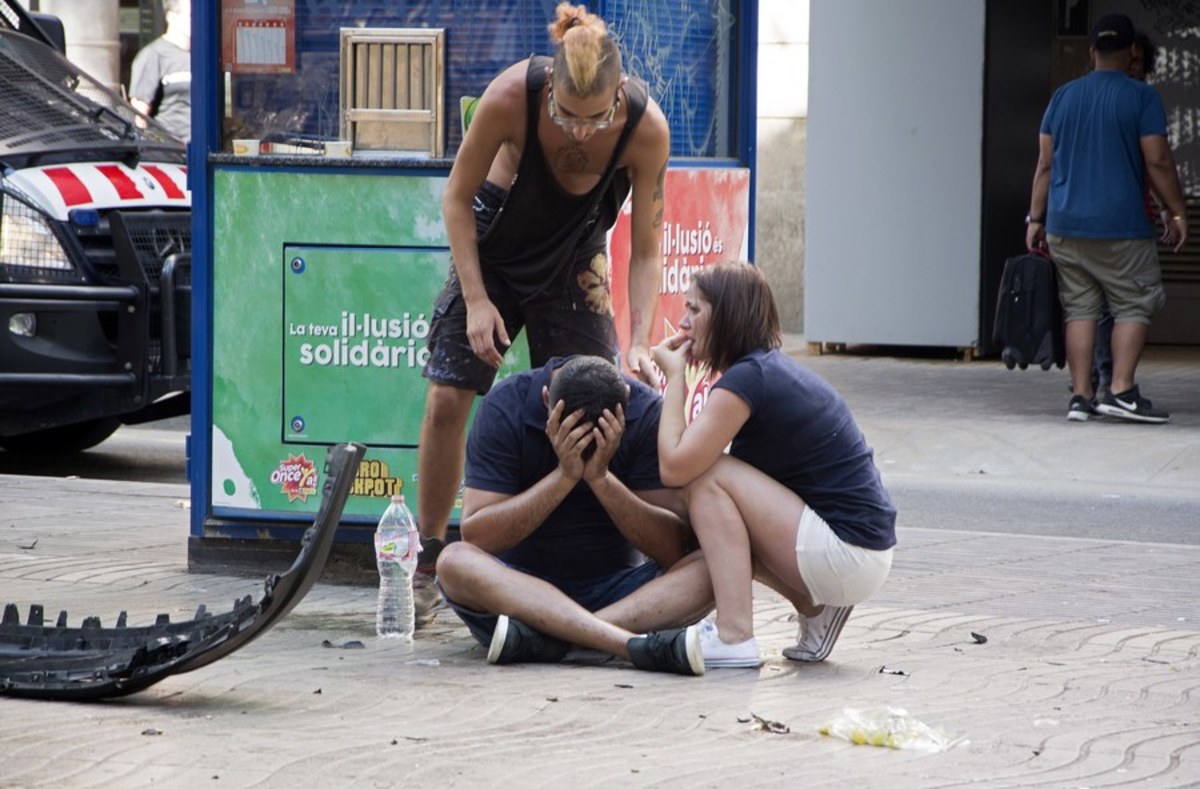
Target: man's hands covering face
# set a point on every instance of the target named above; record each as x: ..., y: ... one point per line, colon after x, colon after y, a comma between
x: 571, y: 436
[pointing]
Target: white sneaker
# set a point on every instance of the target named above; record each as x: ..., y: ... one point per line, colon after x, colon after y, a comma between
x: 818, y: 634
x: 718, y: 654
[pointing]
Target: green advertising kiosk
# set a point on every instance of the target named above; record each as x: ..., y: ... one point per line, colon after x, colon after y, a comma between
x: 322, y: 139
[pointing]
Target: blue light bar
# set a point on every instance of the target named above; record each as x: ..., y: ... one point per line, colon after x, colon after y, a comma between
x: 84, y: 217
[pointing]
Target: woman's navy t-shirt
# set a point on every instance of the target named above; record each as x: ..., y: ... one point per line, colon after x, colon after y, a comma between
x: 800, y: 433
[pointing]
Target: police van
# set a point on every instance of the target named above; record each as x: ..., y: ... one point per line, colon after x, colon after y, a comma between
x: 95, y: 252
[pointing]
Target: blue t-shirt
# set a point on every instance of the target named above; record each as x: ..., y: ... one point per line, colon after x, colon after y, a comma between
x: 508, y: 452
x: 800, y: 433
x: 1098, y: 174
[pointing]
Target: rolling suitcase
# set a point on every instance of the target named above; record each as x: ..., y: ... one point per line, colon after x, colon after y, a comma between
x: 1029, y: 317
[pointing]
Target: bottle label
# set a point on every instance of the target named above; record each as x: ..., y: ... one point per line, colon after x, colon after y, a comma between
x: 391, y: 549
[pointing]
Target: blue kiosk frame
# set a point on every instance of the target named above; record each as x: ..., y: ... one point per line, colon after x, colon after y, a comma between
x: 242, y: 537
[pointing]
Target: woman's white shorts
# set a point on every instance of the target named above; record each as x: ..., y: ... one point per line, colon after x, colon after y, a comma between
x: 836, y: 572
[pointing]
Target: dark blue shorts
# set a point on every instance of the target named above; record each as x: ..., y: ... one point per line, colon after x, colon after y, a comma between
x: 591, y: 593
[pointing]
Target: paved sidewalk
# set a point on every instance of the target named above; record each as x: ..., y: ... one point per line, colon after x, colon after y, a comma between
x: 1090, y: 674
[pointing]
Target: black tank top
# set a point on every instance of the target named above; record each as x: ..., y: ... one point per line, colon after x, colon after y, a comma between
x: 542, y: 228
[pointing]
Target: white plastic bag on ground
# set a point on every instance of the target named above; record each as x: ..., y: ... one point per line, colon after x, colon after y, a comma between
x: 887, y: 727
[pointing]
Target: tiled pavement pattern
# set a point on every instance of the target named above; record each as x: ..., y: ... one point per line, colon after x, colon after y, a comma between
x: 1089, y: 677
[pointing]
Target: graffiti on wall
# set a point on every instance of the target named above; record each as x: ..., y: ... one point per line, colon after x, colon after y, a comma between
x: 1174, y: 28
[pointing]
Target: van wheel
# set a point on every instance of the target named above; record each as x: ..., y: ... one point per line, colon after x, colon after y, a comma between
x: 61, y: 440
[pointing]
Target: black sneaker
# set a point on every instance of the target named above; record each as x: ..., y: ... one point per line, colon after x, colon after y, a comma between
x: 1132, y: 406
x: 516, y: 642
x: 1081, y: 409
x: 676, y: 651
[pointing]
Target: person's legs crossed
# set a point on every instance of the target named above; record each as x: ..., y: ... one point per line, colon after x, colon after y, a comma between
x: 521, y: 618
x: 476, y: 580
x: 678, y: 597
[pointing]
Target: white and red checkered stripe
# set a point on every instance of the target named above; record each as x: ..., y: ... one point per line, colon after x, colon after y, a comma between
x: 103, y: 185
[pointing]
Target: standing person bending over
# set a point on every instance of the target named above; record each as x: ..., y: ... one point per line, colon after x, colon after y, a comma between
x: 553, y: 150
x: 562, y: 506
x: 797, y: 502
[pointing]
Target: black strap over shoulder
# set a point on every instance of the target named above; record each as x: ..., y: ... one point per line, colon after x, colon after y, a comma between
x: 637, y: 95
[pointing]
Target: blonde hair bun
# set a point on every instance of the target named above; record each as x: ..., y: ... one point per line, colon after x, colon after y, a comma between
x: 586, y: 56
x: 568, y: 17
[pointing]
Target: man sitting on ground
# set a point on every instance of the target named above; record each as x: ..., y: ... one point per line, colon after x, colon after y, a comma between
x: 561, y: 508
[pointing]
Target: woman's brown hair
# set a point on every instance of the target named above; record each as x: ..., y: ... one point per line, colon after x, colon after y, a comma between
x: 744, y: 317
x: 586, y: 60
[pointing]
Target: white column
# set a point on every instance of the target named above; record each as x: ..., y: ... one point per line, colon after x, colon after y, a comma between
x: 92, y: 29
x: 782, y: 126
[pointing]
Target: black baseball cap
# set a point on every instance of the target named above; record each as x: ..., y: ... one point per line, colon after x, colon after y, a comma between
x: 1113, y: 32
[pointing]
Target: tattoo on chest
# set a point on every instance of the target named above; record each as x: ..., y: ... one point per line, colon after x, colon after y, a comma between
x: 570, y: 159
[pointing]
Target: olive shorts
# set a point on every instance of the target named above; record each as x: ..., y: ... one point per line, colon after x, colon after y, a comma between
x: 1123, y: 272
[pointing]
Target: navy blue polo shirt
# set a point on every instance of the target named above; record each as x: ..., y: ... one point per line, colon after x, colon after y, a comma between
x: 508, y: 452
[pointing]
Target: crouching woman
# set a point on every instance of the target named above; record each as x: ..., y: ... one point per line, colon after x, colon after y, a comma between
x: 797, y: 501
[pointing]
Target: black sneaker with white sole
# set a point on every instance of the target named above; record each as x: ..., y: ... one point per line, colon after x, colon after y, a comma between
x: 517, y: 642
x: 1081, y: 409
x: 1131, y: 406
x: 673, y: 651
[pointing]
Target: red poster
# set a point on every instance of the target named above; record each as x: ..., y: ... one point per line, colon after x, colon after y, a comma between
x: 705, y: 221
x: 258, y: 36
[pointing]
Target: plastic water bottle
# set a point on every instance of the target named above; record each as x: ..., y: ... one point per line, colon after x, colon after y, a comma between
x: 397, y: 543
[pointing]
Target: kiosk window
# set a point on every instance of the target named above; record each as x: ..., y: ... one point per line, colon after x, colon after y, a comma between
x: 684, y: 51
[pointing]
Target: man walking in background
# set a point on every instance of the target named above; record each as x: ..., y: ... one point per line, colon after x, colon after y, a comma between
x: 1103, y: 135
